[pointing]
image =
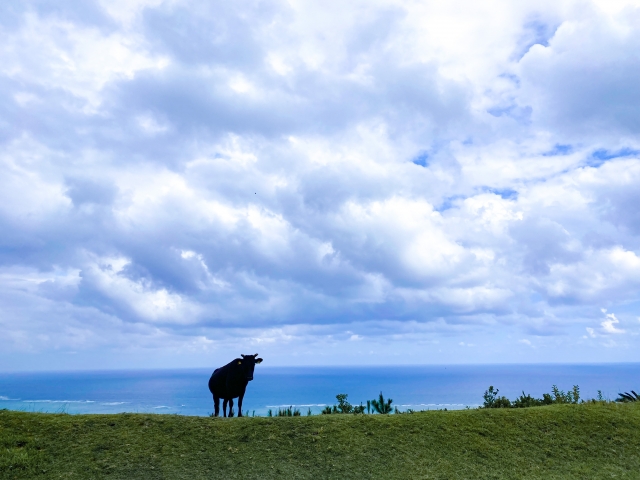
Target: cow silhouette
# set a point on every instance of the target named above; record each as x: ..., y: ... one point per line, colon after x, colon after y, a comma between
x: 230, y: 382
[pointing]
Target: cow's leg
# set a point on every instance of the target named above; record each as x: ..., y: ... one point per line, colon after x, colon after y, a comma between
x: 224, y: 407
x: 240, y: 405
x: 216, y: 405
x: 231, y: 407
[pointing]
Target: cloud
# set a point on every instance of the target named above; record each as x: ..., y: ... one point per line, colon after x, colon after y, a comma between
x: 189, y: 177
x: 582, y: 80
x: 608, y: 326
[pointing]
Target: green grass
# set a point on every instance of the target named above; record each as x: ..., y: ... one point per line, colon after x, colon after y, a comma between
x: 559, y: 441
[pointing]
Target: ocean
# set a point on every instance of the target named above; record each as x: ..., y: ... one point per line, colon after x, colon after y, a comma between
x: 185, y: 392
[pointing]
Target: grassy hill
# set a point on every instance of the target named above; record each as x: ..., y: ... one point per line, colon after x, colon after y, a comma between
x: 559, y: 441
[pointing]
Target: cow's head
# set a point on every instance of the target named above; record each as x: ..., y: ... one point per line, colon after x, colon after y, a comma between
x: 248, y: 363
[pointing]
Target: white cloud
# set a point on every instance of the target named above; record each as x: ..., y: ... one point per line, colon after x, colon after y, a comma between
x: 55, y: 54
x: 383, y: 175
x: 609, y: 325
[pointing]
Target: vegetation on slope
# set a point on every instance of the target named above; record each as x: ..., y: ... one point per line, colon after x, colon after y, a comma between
x: 592, y: 440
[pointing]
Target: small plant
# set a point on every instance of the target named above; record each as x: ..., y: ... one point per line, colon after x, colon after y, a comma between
x: 600, y: 396
x: 309, y: 412
x: 628, y: 397
x: 381, y: 406
x: 359, y: 409
x: 288, y: 412
x: 343, y: 405
x: 492, y: 400
x: 560, y: 396
x: 269, y: 413
x: 525, y: 401
x: 368, y: 406
x: 490, y: 396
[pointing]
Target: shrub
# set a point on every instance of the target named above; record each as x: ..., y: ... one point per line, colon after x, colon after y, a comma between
x: 628, y: 397
x: 288, y: 412
x: 381, y: 406
x: 525, y: 401
x: 359, y: 409
x: 492, y: 400
x: 572, y: 396
x: 343, y: 406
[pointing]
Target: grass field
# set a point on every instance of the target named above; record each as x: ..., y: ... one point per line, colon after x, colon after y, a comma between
x: 559, y: 441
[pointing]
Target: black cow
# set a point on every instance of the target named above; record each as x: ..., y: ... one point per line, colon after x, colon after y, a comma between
x: 231, y: 381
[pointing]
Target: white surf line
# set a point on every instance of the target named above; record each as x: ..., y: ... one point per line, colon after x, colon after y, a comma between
x: 59, y: 401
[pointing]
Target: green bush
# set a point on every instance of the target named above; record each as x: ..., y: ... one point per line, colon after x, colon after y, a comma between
x: 628, y: 397
x: 572, y: 396
x: 492, y: 400
x: 525, y: 401
x: 284, y: 412
x: 343, y: 406
x: 381, y: 406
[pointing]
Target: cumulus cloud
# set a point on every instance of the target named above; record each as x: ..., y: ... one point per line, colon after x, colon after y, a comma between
x: 608, y: 325
x: 333, y: 182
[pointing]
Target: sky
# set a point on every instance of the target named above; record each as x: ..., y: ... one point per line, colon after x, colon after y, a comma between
x: 323, y: 183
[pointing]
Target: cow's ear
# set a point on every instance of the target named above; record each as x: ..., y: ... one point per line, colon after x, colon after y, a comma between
x: 258, y: 360
x: 239, y: 362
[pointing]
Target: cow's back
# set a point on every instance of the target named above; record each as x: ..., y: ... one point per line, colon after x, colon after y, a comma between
x: 228, y: 381
x: 218, y: 382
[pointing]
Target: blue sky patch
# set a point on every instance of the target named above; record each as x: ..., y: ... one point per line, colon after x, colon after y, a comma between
x: 422, y: 159
x: 600, y: 156
x: 558, y: 150
x: 506, y: 193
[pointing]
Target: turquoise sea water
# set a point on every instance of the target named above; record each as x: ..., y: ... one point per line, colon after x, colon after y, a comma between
x: 418, y: 387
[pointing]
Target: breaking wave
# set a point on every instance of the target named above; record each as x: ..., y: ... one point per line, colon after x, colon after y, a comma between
x: 59, y: 401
